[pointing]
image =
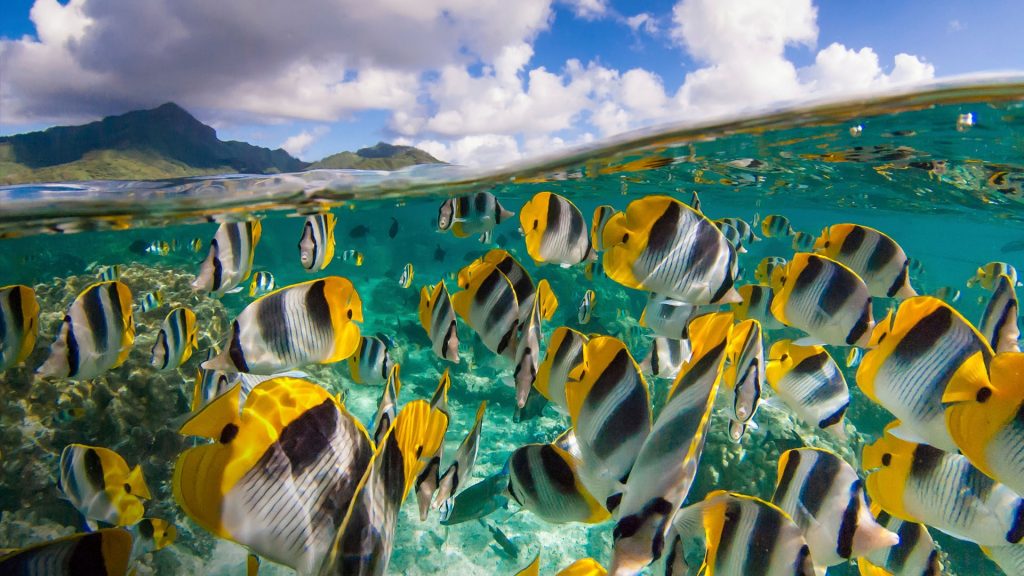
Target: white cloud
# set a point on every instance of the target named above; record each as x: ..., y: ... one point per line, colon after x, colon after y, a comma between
x: 588, y: 9
x: 298, y: 144
x: 455, y: 76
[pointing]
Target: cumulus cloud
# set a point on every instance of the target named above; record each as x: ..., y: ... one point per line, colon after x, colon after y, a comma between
x: 298, y: 144
x: 106, y: 56
x: 456, y: 77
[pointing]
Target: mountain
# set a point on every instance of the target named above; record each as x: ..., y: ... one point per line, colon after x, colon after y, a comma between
x: 379, y: 157
x: 165, y: 142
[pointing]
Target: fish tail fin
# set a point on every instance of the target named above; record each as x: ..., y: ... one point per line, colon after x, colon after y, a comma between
x: 138, y: 483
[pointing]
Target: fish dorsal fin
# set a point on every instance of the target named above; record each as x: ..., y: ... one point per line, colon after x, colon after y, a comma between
x: 138, y: 483
x: 210, y: 421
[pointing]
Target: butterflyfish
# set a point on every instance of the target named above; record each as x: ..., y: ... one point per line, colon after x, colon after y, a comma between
x: 662, y: 245
x: 305, y: 323
x: 99, y: 484
x: 96, y: 335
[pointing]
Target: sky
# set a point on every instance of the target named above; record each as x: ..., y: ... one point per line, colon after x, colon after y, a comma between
x: 475, y: 82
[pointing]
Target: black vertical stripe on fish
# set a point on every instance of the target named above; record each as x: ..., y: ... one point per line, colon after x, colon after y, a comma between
x: 554, y: 219
x: 704, y: 253
x: 663, y: 231
x: 496, y: 315
x: 161, y: 342
x: 304, y: 439
x: 87, y: 555
x: 848, y: 526
x: 235, y: 242
x: 449, y: 335
x: 218, y: 267
x: 462, y: 206
x: 910, y: 534
x: 835, y: 417
x: 488, y: 285
x: 810, y: 273
x: 900, y: 280
x: 521, y: 283
x: 818, y: 483
x: 883, y: 252
x: 764, y: 538
x: 480, y: 203
x: 834, y: 296
x: 506, y: 339
x: 93, y: 468
x: 926, y: 460
x: 811, y: 365
x: 727, y: 280
x: 318, y: 308
x: 235, y: 351
x: 576, y: 226
x: 620, y: 423
x: 756, y: 297
x: 74, y: 354
x: 786, y: 480
x: 853, y: 241
x: 92, y: 304
x: 924, y: 335
x: 707, y: 363
x: 861, y: 326
x: 17, y: 312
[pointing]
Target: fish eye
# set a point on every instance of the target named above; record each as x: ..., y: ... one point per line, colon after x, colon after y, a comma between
x: 349, y: 314
x: 886, y: 459
x: 784, y: 357
x: 535, y: 223
x: 228, y: 433
x: 983, y: 394
x: 827, y: 243
x: 127, y: 487
x: 882, y: 337
x: 625, y: 238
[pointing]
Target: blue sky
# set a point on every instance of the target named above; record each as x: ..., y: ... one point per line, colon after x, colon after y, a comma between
x: 474, y: 82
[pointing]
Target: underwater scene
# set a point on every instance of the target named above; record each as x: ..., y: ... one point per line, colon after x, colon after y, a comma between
x: 782, y: 344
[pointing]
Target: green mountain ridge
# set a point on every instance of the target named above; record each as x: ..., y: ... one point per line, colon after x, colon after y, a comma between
x: 164, y: 142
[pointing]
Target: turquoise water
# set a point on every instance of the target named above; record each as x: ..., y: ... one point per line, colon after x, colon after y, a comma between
x: 951, y: 194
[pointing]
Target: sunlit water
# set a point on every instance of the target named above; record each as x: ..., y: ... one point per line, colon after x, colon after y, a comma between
x: 947, y: 186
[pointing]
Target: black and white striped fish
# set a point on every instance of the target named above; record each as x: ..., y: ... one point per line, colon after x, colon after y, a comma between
x: 489, y: 306
x: 477, y: 213
x: 825, y: 497
x: 229, y: 261
x: 810, y: 383
x: 456, y: 477
x: 438, y: 319
x: 316, y: 245
x: 543, y: 479
x: 564, y: 353
x: 97, y: 333
x: 914, y: 354
x: 747, y: 235
x: 408, y: 272
x: 262, y: 283
x: 872, y: 255
x: 310, y: 322
x: 732, y: 235
x: 743, y: 373
x: 823, y: 298
x: 745, y: 536
x: 555, y: 231
x: 921, y: 483
x: 527, y: 357
x: 175, y: 340
x: 661, y: 245
x: 999, y: 322
x: 371, y: 362
x: 586, y: 307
